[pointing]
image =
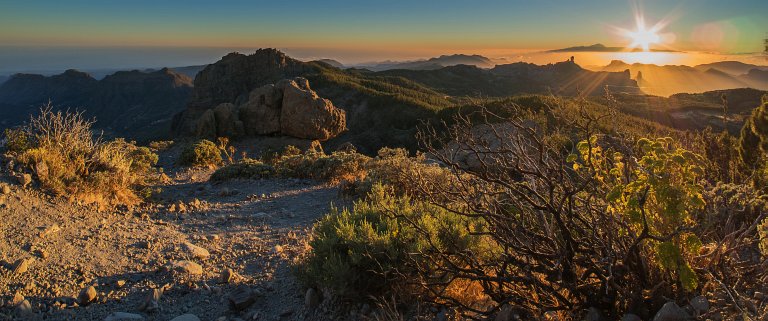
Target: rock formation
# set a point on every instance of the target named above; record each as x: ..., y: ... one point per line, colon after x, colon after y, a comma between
x: 289, y: 107
x: 258, y: 94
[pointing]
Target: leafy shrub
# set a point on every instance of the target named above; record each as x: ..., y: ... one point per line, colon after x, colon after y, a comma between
x: 393, y: 167
x: 69, y: 162
x: 657, y: 193
x: 335, y: 167
x: 372, y: 248
x: 203, y: 153
x: 753, y: 141
x: 244, y: 169
x: 763, y: 234
x: 17, y: 140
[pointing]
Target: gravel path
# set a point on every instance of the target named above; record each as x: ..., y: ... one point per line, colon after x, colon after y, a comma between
x: 254, y: 228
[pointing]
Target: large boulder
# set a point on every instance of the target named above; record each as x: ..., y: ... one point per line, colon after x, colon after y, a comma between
x: 228, y: 123
x: 288, y: 108
x: 306, y: 115
x: 205, y: 126
x: 261, y: 113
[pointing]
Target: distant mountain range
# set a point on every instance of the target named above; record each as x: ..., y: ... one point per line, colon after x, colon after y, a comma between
x: 432, y: 63
x: 602, y: 48
x: 383, y: 107
x: 672, y: 79
x: 135, y: 104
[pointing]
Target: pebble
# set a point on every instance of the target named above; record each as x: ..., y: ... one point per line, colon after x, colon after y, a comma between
x: 631, y: 317
x: 123, y: 316
x: 24, y: 308
x: 196, y: 251
x: 17, y: 299
x: 5, y: 189
x: 43, y: 254
x: 700, y: 305
x: 671, y: 312
x: 186, y: 317
x: 226, y: 276
x: 188, y: 267
x: 151, y: 301
x: 241, y: 297
x: 311, y: 299
x: 25, y: 179
x: 87, y: 295
x: 120, y: 283
x: 21, y: 266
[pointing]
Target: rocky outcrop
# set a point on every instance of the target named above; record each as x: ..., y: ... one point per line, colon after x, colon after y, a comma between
x: 245, y: 95
x: 289, y: 107
x: 305, y: 115
x: 230, y: 79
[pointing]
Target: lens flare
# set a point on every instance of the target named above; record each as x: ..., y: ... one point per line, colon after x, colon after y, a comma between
x: 644, y: 37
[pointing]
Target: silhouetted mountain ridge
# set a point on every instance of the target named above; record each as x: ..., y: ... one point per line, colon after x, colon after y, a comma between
x: 135, y: 104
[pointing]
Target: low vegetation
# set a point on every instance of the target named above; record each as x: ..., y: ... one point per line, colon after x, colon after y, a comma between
x: 61, y: 152
x: 244, y: 169
x: 292, y: 163
x: 549, y: 220
x: 202, y: 153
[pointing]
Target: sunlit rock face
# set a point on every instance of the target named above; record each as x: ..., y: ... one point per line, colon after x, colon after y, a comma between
x: 289, y: 108
x: 258, y: 94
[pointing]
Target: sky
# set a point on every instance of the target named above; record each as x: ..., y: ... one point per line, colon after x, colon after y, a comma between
x: 101, y: 34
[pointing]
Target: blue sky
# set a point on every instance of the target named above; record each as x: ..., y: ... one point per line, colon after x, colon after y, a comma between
x: 359, y: 30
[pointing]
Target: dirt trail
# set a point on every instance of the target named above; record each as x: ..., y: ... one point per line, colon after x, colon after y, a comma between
x: 255, y: 228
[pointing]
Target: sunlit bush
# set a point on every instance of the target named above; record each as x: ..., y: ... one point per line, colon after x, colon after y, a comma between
x: 244, y: 169
x: 68, y: 161
x: 203, y: 153
x: 375, y: 247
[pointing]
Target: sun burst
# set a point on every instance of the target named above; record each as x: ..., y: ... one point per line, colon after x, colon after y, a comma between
x: 643, y: 37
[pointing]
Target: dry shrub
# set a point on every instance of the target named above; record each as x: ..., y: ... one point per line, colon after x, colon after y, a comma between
x: 68, y: 161
x: 160, y: 145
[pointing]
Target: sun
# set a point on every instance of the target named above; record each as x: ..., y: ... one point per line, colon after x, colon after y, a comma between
x: 643, y: 38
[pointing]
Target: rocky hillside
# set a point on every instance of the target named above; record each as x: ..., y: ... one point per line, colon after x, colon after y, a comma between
x: 133, y: 104
x: 382, y: 108
x: 670, y: 80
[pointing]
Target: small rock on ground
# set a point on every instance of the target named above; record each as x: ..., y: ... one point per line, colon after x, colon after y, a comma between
x: 311, y: 299
x: 241, y: 297
x: 631, y: 317
x: 671, y: 312
x: 186, y: 317
x: 123, y: 316
x: 87, y: 296
x: 188, y: 267
x: 196, y: 251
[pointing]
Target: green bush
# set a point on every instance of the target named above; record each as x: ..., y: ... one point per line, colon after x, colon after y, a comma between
x: 378, y: 245
x: 17, y: 140
x: 335, y: 167
x: 203, y: 153
x: 244, y: 169
x: 753, y: 140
